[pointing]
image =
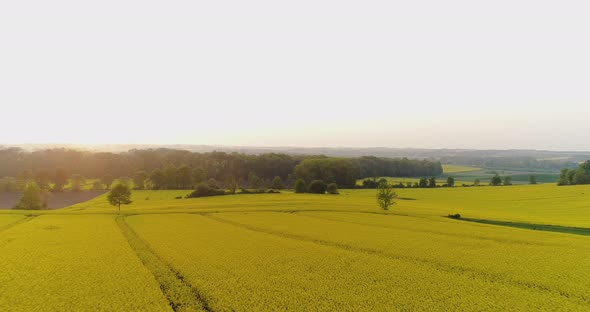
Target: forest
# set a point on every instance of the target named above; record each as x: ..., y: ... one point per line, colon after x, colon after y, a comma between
x: 174, y: 169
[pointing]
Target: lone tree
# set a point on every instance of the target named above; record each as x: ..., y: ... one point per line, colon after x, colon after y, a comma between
x: 450, y: 181
x: 385, y: 195
x: 507, y: 180
x: 119, y: 195
x: 496, y: 180
x: 33, y: 198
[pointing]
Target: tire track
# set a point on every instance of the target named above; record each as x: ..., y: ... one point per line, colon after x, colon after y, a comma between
x: 476, y: 274
x: 181, y: 295
x: 17, y: 222
x: 474, y: 237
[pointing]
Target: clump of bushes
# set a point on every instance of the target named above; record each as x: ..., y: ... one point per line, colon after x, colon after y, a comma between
x: 258, y: 191
x: 454, y: 216
x: 204, y: 190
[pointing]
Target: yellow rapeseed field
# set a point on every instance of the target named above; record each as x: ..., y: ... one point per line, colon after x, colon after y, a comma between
x: 303, y: 252
x: 73, y: 263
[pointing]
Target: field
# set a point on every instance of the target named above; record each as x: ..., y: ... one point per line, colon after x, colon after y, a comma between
x: 54, y: 201
x: 457, y: 169
x: 303, y: 252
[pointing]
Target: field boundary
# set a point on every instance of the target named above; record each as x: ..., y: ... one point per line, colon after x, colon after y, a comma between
x: 532, y: 226
x: 181, y: 295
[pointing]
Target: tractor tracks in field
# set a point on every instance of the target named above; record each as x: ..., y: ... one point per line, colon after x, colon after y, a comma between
x: 17, y: 222
x: 181, y: 295
x: 454, y: 269
x: 474, y: 237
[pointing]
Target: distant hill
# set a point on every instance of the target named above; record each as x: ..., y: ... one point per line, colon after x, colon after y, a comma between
x: 514, y: 158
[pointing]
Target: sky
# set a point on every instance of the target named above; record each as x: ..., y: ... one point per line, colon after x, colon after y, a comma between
x: 429, y: 74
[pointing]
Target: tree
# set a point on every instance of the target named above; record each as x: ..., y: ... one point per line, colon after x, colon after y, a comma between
x: 507, y: 180
x: 563, y: 177
x: 423, y: 182
x: 60, y: 179
x: 332, y: 188
x: 496, y: 180
x: 476, y: 182
x: 24, y: 176
x: 171, y: 174
x: 43, y: 178
x: 199, y: 176
x: 277, y: 183
x: 184, y: 177
x: 532, y: 179
x: 317, y: 187
x: 432, y: 182
x: 300, y: 186
x: 450, y: 181
x: 119, y: 195
x: 157, y: 179
x: 139, y: 180
x: 96, y: 186
x: 231, y: 183
x: 77, y: 181
x: 107, y: 180
x: 253, y: 181
x: 385, y: 196
x: 212, y: 183
x: 32, y: 198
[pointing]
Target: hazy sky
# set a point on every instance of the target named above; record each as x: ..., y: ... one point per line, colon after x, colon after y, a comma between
x: 456, y: 74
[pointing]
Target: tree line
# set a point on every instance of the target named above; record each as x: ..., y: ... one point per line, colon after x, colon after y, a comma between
x: 581, y: 175
x: 178, y: 169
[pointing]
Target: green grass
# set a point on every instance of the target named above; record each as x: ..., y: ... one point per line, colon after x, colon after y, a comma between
x: 303, y: 252
x: 457, y: 169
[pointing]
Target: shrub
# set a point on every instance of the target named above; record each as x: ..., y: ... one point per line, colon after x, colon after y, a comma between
x: 454, y: 216
x: 332, y: 188
x: 300, y: 186
x: 317, y: 187
x: 204, y: 190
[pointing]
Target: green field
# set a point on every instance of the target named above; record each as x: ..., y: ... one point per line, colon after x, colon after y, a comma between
x: 457, y: 169
x: 303, y: 252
